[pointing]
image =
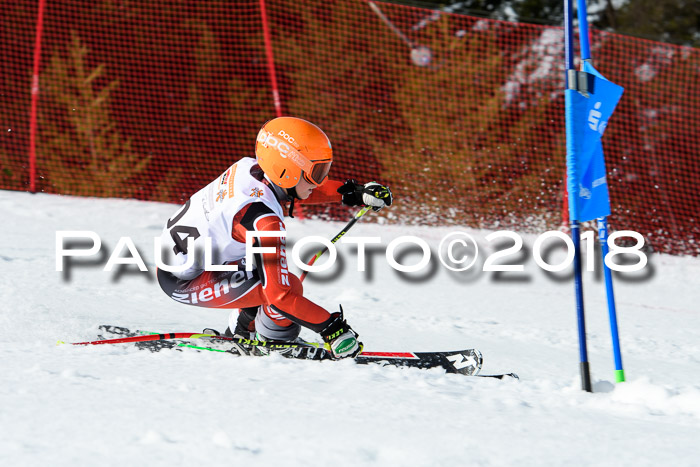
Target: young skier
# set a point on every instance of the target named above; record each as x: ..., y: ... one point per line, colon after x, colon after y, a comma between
x: 293, y: 158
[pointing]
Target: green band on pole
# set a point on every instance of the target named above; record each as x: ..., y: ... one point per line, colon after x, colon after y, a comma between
x: 619, y: 376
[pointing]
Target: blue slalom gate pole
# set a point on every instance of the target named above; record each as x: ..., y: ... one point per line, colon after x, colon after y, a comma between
x: 583, y: 29
x: 572, y: 186
x: 602, y: 222
x: 603, y: 239
x: 580, y: 315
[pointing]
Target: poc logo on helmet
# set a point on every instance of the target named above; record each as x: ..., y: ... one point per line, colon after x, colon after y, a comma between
x: 267, y: 140
x: 284, y: 135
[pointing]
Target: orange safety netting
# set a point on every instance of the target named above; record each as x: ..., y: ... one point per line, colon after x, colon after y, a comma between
x: 463, y: 117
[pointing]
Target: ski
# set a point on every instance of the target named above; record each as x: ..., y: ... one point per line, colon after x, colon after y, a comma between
x: 466, y: 362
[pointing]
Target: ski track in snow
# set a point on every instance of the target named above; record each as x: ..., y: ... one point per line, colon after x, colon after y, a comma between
x: 109, y: 405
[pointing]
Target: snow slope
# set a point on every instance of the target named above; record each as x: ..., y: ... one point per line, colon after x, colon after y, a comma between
x: 109, y: 405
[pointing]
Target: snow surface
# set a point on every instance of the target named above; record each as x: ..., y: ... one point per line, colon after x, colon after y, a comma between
x: 113, y: 405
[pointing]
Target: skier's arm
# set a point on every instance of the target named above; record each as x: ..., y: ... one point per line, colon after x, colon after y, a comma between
x: 351, y: 193
x: 282, y: 289
x: 325, y: 193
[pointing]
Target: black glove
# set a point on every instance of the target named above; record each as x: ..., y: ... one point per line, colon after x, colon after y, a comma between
x: 370, y: 194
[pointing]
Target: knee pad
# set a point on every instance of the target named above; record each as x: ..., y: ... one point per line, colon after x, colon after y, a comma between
x: 269, y: 326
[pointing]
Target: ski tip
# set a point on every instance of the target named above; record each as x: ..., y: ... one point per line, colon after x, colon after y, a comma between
x: 59, y: 342
x: 508, y: 376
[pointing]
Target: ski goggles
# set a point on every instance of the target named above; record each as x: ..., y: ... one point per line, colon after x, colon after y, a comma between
x: 314, y: 172
x: 319, y: 172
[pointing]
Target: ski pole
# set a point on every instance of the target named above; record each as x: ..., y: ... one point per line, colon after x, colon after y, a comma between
x: 352, y: 222
x: 197, y: 335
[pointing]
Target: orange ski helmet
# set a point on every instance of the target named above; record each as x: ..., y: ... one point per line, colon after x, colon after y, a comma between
x: 289, y: 148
